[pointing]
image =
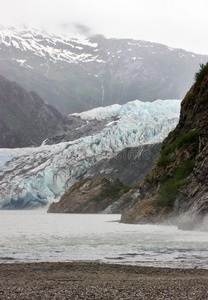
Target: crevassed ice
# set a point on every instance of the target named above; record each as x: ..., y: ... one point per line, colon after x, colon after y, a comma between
x: 32, y: 177
x: 137, y: 108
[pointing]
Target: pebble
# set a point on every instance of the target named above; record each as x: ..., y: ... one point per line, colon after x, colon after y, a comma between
x: 100, y: 281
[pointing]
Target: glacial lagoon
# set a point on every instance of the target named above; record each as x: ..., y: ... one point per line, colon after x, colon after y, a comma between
x: 35, y: 236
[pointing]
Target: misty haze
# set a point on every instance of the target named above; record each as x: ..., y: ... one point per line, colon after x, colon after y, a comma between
x: 103, y: 150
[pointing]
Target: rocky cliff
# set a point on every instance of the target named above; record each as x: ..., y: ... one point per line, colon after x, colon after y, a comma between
x: 177, y: 187
x: 25, y: 119
x: 93, y: 196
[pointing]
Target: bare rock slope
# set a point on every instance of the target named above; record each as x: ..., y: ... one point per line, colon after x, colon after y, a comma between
x: 92, y: 196
x: 25, y: 119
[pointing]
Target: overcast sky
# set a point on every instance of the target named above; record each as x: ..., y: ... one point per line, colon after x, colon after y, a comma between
x: 176, y: 23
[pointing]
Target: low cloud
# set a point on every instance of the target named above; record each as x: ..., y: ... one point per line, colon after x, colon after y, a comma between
x: 83, y: 29
x: 70, y: 29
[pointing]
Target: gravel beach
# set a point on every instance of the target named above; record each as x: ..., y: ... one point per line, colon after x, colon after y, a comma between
x: 100, y: 281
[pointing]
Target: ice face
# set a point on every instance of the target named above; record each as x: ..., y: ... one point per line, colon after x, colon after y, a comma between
x: 138, y: 109
x: 32, y: 177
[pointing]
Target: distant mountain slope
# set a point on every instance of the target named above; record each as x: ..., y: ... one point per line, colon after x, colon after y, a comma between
x: 25, y: 119
x: 78, y: 74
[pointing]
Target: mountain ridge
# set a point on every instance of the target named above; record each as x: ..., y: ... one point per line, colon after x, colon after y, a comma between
x: 25, y: 119
x: 77, y: 75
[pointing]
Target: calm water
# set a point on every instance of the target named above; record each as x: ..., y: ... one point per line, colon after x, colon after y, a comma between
x: 34, y: 236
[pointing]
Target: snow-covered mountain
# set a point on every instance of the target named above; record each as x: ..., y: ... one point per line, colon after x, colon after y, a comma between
x: 32, y: 177
x: 76, y: 74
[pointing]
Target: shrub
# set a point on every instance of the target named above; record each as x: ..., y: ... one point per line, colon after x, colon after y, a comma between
x: 126, y: 188
x: 203, y: 88
x: 128, y: 199
x: 184, y: 169
x: 203, y: 71
x: 185, y: 140
x: 190, y: 97
x: 168, y: 193
x: 169, y: 149
x: 191, y: 116
x: 110, y: 191
x: 146, y: 178
x: 164, y: 160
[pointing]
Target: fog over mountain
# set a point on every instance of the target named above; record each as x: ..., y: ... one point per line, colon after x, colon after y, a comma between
x: 76, y: 74
x: 179, y: 24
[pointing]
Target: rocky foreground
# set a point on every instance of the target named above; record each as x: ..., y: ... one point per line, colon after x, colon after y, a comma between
x: 100, y: 281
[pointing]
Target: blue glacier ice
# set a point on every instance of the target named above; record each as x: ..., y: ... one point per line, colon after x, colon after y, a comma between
x: 33, y: 177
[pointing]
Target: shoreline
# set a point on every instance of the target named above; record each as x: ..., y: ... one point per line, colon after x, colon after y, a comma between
x: 92, y: 280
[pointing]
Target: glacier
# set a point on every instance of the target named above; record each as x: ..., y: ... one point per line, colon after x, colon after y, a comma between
x: 34, y: 177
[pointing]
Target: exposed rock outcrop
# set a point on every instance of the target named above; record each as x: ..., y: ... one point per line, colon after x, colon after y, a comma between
x: 106, y: 194
x: 93, y: 196
x: 75, y: 127
x: 130, y: 165
x: 177, y: 187
x: 25, y: 119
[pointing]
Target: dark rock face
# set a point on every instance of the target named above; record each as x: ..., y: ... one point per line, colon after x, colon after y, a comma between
x: 91, y: 196
x: 177, y: 187
x: 25, y: 119
x: 130, y: 165
x: 144, y: 212
x: 74, y: 128
x: 192, y: 204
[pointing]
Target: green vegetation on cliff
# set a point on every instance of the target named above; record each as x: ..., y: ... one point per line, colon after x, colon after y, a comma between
x: 179, y: 178
x: 203, y: 71
x: 170, y: 189
x: 168, y: 193
x: 112, y: 191
x: 184, y: 140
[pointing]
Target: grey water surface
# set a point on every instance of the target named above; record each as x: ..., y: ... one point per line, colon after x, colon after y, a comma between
x: 35, y: 236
